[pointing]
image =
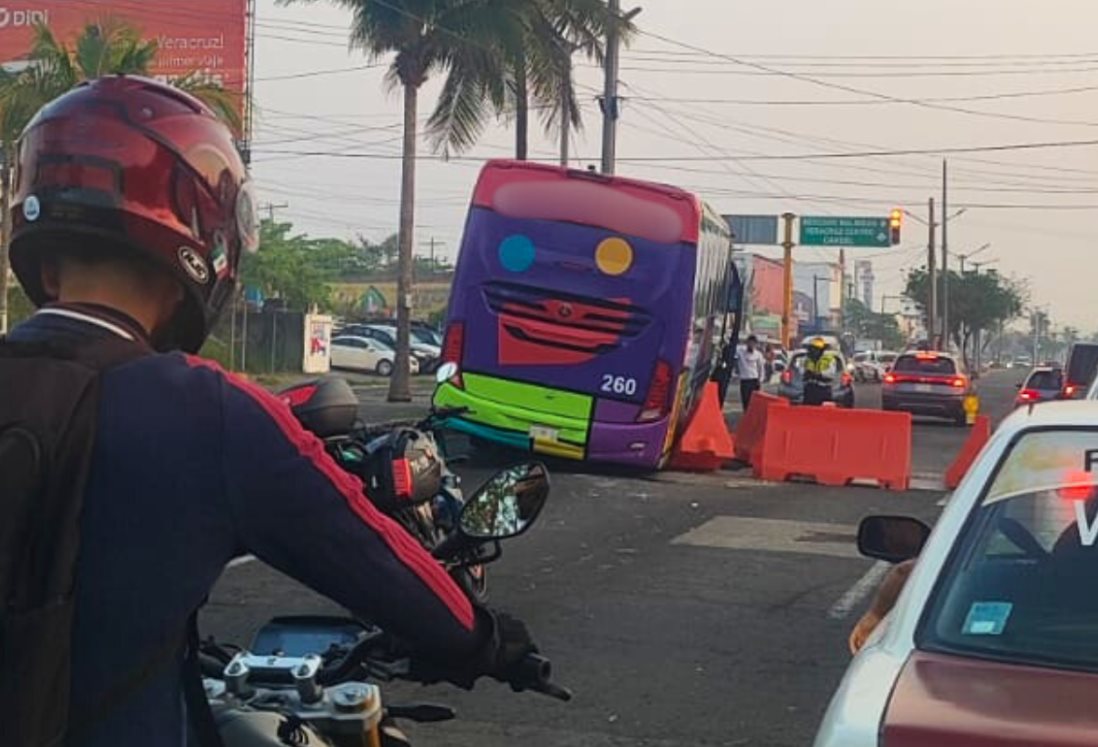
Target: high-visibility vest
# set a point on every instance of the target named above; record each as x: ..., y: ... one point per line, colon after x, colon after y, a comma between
x: 821, y: 368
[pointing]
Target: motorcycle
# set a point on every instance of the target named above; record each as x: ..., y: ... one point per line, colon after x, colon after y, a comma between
x: 403, y: 464
x: 312, y: 680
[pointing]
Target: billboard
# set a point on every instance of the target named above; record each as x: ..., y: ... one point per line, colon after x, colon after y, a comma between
x: 199, y: 36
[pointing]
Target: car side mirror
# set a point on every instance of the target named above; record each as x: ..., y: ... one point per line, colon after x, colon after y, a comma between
x: 507, y: 504
x: 893, y: 539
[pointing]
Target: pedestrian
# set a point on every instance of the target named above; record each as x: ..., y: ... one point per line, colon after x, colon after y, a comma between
x: 751, y: 367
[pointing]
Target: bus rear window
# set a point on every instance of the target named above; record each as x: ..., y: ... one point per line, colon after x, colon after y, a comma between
x: 591, y: 204
x: 927, y: 365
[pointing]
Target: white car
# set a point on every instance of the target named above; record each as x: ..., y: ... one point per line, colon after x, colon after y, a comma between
x: 872, y: 365
x: 994, y: 638
x: 365, y: 354
x: 425, y: 353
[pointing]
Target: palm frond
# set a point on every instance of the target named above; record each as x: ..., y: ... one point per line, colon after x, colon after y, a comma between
x: 225, y: 104
x: 461, y: 113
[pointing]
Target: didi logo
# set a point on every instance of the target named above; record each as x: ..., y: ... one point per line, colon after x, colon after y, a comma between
x: 22, y: 17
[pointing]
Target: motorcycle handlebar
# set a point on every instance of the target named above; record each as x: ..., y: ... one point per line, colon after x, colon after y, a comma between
x: 535, y: 673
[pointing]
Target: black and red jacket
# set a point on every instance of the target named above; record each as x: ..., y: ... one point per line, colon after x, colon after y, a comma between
x: 192, y: 467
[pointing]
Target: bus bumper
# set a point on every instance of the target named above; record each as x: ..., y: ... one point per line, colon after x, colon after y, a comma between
x: 633, y: 444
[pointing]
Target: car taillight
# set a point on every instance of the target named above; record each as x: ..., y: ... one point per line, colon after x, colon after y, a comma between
x: 847, y: 379
x: 453, y: 346
x: 1069, y: 390
x: 656, y: 403
x: 787, y: 377
x: 890, y: 378
x: 959, y: 383
x: 1028, y: 395
x: 402, y: 478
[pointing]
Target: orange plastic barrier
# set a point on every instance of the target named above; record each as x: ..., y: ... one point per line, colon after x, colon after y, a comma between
x: 977, y: 437
x: 706, y: 444
x: 752, y: 426
x: 835, y: 446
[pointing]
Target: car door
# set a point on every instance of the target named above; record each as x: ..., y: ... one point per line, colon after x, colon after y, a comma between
x: 372, y: 354
x: 343, y: 352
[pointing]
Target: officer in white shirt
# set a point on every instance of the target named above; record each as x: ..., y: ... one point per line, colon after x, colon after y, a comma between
x: 751, y: 367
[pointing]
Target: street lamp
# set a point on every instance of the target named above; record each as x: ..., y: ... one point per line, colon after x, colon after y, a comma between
x: 973, y: 253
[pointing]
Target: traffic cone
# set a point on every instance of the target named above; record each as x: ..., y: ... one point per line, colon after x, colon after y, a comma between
x: 705, y: 444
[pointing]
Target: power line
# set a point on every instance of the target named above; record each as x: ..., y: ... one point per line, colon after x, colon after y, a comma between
x: 813, y: 80
x: 877, y: 65
x: 874, y: 102
x: 780, y: 56
x: 819, y: 77
x: 318, y: 73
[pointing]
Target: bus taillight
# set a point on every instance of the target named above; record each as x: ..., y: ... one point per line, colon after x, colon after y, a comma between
x: 659, y: 391
x: 453, y: 344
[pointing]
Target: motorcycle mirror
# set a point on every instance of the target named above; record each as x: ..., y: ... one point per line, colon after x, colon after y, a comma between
x: 507, y: 504
x: 445, y: 372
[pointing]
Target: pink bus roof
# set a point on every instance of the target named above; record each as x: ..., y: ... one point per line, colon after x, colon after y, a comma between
x: 657, y: 212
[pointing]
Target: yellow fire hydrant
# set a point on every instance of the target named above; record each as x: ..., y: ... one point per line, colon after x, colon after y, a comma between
x: 972, y: 408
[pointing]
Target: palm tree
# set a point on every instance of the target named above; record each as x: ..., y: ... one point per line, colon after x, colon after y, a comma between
x: 533, y: 61
x: 105, y: 47
x: 424, y: 37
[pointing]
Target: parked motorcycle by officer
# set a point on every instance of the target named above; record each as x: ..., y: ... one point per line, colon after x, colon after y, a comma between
x: 312, y: 680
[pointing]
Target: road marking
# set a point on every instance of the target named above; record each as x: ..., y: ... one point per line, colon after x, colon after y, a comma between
x: 240, y: 561
x: 862, y: 588
x: 773, y: 535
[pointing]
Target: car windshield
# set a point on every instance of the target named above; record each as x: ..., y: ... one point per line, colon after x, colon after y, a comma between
x: 1019, y: 586
x: 1050, y: 380
x: 931, y: 365
x: 425, y: 337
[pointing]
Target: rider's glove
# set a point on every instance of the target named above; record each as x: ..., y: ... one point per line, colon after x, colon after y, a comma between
x: 506, y: 646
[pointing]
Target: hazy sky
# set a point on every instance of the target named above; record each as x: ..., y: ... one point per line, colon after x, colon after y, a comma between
x: 956, y: 49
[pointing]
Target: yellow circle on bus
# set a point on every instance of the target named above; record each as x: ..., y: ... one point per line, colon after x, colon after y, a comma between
x: 614, y: 256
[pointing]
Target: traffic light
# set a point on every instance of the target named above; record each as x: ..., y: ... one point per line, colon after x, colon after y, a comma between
x: 895, y: 220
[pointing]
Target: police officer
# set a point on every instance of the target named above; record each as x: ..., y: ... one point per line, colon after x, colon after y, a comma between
x: 818, y: 372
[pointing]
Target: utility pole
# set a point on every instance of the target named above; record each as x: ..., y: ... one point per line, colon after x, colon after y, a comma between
x: 842, y: 291
x: 931, y: 266
x: 945, y: 256
x: 611, y: 103
x: 271, y: 207
x: 610, y: 108
x: 787, y: 297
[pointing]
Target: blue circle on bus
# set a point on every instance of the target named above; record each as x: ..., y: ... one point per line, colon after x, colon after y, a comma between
x: 516, y: 253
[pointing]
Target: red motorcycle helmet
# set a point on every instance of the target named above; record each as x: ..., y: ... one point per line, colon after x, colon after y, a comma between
x: 129, y: 165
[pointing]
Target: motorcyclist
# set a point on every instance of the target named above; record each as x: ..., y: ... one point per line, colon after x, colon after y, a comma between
x: 818, y: 372
x: 132, y: 209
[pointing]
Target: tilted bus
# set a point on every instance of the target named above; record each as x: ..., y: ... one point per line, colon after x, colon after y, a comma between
x: 587, y: 313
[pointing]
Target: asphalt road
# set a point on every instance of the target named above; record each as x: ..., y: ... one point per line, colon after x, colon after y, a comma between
x: 684, y: 609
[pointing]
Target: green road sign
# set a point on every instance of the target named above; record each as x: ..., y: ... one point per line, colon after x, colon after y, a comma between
x: 828, y: 231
